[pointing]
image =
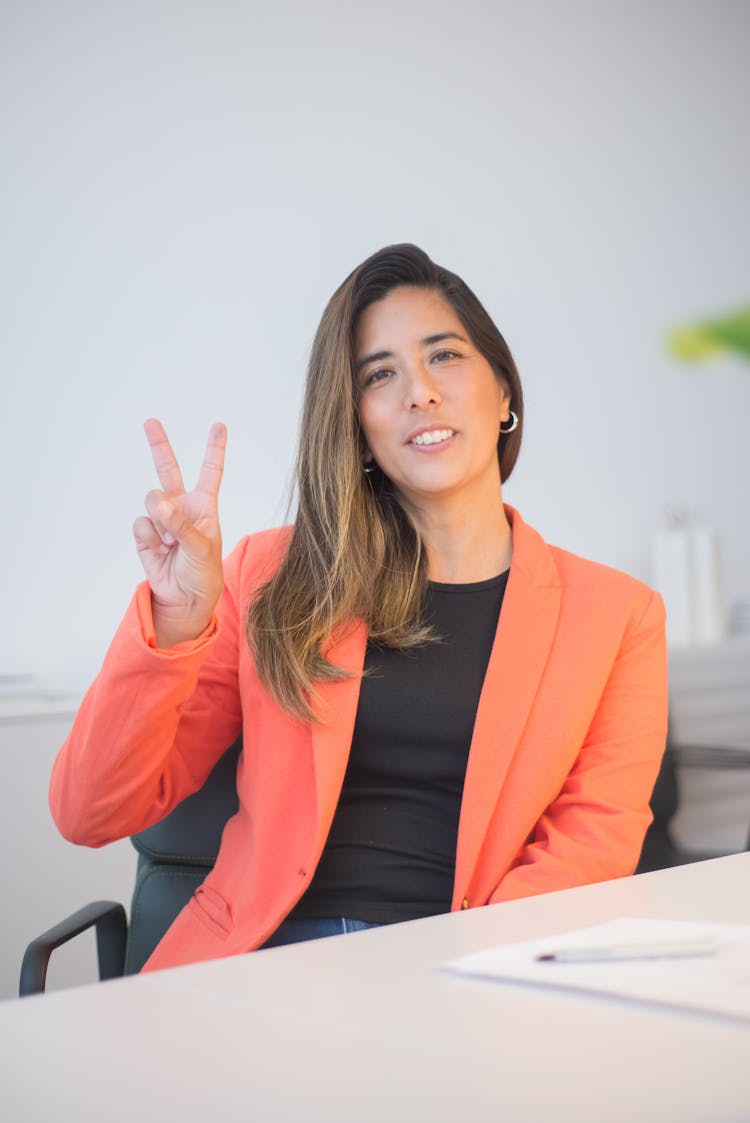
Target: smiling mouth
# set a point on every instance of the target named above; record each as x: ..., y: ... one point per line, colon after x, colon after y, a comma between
x: 434, y: 437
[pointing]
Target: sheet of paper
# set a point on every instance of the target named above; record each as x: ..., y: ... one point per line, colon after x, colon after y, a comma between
x: 717, y: 983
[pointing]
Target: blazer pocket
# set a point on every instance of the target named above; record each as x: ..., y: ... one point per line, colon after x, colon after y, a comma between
x: 212, y: 911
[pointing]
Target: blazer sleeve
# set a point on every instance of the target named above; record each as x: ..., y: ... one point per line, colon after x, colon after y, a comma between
x: 152, y: 725
x: 594, y: 829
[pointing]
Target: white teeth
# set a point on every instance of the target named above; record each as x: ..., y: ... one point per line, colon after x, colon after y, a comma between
x: 433, y: 437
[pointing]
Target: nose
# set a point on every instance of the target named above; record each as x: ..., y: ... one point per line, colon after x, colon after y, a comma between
x: 422, y: 390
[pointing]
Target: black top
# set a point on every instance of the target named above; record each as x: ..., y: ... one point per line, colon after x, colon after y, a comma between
x: 391, y: 850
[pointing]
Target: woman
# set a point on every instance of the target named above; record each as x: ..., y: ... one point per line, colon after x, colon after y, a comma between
x: 482, y: 755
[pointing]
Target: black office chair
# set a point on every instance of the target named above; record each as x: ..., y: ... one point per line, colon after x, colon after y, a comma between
x: 174, y: 857
x: 659, y: 851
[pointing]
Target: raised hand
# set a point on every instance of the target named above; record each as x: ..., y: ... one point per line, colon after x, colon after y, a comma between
x: 179, y: 541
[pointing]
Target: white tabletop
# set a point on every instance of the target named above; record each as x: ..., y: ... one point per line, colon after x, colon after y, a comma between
x: 366, y: 1027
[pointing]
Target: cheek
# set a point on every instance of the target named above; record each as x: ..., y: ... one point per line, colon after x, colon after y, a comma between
x: 372, y: 420
x: 489, y: 400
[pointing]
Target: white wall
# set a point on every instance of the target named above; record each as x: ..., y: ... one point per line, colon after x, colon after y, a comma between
x: 186, y: 182
x: 45, y: 878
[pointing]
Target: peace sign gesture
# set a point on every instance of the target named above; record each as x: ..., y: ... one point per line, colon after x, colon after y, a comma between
x: 179, y: 541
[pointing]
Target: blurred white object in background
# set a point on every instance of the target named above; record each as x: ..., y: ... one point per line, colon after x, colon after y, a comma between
x: 671, y: 576
x: 687, y: 573
x: 709, y: 618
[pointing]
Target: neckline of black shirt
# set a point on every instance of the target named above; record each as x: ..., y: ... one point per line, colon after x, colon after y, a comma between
x: 470, y: 586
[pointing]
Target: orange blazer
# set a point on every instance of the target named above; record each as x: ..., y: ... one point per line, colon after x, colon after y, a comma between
x: 568, y: 737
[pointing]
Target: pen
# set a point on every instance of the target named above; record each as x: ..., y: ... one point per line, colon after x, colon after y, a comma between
x: 661, y: 950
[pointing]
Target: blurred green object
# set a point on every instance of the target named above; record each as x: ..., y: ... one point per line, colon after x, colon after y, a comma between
x: 695, y: 342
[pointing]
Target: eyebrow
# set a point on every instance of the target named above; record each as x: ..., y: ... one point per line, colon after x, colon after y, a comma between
x: 378, y: 356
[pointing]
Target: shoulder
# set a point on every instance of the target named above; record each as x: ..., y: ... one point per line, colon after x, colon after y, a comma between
x: 256, y: 557
x: 586, y: 586
x: 574, y: 569
x: 609, y: 593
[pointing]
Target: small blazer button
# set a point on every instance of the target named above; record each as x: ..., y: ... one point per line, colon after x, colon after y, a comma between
x: 465, y: 903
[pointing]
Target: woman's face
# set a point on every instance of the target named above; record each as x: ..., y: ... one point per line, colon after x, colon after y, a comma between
x: 430, y: 404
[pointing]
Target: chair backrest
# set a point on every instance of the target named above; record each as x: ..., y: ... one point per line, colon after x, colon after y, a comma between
x: 175, y: 855
x: 658, y: 851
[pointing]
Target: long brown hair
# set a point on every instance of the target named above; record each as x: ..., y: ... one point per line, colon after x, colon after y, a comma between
x: 353, y: 550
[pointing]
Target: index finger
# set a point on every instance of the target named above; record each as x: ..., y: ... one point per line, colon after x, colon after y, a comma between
x: 212, y: 468
x: 165, y: 461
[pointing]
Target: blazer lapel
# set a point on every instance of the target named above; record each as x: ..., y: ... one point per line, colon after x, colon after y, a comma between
x: 528, y: 621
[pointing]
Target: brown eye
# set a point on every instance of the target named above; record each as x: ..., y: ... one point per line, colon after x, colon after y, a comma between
x: 376, y: 376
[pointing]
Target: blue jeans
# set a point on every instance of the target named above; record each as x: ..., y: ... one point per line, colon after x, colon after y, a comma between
x: 296, y: 930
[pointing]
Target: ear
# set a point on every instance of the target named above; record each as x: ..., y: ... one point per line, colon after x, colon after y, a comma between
x: 504, y: 401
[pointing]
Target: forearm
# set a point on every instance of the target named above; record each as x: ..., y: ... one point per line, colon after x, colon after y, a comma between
x: 139, y: 742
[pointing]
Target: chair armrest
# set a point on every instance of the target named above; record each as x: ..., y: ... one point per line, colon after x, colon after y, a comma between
x: 111, y: 935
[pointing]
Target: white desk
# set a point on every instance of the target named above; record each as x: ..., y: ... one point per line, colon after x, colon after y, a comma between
x: 364, y: 1028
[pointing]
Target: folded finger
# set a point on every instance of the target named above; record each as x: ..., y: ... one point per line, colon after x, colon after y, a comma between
x: 165, y: 461
x: 147, y: 537
x: 161, y: 513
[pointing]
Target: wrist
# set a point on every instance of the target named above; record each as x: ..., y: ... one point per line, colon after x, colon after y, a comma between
x: 173, y: 627
x: 167, y: 639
